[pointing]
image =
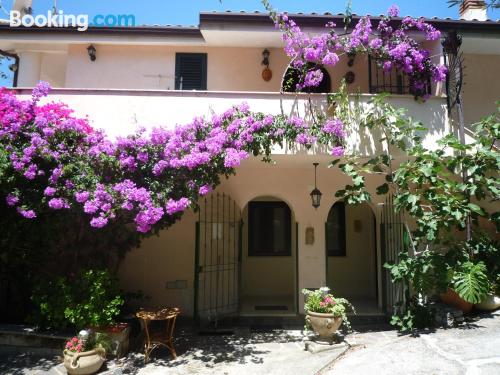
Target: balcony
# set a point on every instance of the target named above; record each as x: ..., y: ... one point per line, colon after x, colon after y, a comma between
x: 121, y: 112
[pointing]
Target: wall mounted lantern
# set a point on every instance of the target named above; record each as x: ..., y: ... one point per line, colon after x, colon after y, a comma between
x: 315, y: 194
x: 265, y: 57
x: 267, y: 74
x: 350, y: 58
x: 92, y: 52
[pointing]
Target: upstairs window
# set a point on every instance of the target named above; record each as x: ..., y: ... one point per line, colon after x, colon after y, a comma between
x: 393, y: 81
x: 335, y: 231
x: 191, y: 71
x: 269, y: 229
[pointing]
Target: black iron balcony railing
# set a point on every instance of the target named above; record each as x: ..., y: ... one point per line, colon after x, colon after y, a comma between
x: 393, y: 82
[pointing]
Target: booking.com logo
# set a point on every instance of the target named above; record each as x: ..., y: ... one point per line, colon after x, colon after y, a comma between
x: 80, y: 21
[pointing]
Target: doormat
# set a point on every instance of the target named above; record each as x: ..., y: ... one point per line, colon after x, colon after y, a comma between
x: 215, y: 332
x: 272, y: 307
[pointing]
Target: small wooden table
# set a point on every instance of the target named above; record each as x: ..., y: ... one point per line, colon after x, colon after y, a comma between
x: 153, y: 340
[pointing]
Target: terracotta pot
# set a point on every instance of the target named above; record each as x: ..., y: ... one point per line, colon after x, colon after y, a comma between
x: 84, y: 363
x: 489, y: 303
x: 325, y: 325
x: 267, y: 74
x: 453, y: 299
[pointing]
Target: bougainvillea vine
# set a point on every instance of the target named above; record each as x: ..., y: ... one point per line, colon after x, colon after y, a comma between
x: 389, y: 45
x: 51, y: 159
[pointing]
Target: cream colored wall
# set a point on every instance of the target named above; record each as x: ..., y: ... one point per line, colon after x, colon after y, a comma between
x: 53, y: 69
x: 228, y: 69
x: 354, y: 275
x: 481, y: 86
x: 267, y: 276
x: 162, y: 259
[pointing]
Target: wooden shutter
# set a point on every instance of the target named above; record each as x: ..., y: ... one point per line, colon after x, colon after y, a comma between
x: 191, y: 71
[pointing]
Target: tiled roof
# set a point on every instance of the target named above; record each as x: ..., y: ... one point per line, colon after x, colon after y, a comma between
x: 316, y: 20
x: 257, y: 18
x: 342, y: 15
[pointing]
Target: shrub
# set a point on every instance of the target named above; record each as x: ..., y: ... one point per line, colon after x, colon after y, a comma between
x: 91, y: 298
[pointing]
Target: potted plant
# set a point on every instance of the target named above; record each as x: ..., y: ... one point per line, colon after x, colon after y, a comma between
x: 470, y: 273
x: 84, y: 354
x: 487, y: 250
x: 325, y: 313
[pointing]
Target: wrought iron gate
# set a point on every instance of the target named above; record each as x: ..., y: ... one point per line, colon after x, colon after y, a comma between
x: 394, y: 239
x: 217, y: 262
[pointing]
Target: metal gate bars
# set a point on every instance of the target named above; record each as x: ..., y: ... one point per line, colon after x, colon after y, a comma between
x: 394, y: 240
x: 217, y: 259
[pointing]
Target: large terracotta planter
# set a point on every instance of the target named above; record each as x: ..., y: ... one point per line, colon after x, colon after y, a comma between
x: 84, y: 363
x: 325, y: 325
x: 453, y: 299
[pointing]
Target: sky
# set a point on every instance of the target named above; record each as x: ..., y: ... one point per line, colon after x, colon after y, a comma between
x: 185, y: 12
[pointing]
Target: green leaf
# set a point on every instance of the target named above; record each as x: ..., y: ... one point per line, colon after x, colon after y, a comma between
x: 471, y: 282
x: 475, y: 208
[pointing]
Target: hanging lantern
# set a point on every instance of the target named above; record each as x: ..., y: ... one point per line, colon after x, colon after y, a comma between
x: 316, y: 194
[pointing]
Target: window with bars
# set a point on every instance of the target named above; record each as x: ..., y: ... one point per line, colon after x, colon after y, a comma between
x: 191, y: 71
x: 393, y: 82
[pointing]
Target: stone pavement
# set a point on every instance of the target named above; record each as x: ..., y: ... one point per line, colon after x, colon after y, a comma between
x: 468, y: 350
x: 246, y: 352
x: 471, y: 349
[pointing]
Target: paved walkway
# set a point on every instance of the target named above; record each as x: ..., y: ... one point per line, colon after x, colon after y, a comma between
x: 246, y: 352
x: 469, y: 350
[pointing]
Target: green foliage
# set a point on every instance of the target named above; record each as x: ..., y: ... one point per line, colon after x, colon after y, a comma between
x: 417, y: 316
x: 426, y: 273
x: 441, y: 188
x: 91, y: 298
x: 101, y: 340
x: 471, y: 268
x: 487, y: 250
x: 471, y: 282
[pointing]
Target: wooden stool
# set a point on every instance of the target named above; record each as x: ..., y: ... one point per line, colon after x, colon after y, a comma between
x: 153, y: 340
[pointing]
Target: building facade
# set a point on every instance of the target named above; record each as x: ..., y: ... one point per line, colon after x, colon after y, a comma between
x: 256, y: 241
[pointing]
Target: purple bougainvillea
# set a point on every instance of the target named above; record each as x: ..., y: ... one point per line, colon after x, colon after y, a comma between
x: 392, y: 47
x: 57, y: 161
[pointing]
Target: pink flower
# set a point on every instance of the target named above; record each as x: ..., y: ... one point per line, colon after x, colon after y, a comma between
x: 11, y: 200
x: 338, y: 151
x: 393, y: 11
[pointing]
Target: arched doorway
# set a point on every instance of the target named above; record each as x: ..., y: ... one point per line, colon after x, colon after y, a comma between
x: 351, y: 256
x: 269, y: 256
x: 292, y: 77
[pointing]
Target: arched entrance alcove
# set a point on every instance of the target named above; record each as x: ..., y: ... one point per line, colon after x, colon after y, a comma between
x: 292, y: 77
x: 351, y: 255
x: 269, y: 258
